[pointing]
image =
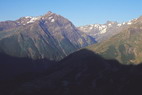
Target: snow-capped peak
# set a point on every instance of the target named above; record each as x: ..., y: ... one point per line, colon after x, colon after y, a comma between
x: 27, y: 20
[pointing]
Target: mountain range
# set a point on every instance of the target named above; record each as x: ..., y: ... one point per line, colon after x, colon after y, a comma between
x: 54, y: 37
x: 103, y: 32
x: 49, y: 36
x: 48, y: 55
x: 125, y: 46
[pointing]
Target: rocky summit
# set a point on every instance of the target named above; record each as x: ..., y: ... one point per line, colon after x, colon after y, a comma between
x: 102, y: 32
x: 49, y: 36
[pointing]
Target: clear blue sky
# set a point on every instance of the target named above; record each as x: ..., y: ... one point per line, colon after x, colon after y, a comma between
x: 80, y: 12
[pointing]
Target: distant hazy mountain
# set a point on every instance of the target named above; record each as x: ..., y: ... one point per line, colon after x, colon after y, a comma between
x: 125, y: 46
x: 103, y: 32
x: 49, y: 36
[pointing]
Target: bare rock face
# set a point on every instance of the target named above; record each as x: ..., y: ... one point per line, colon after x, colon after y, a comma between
x: 49, y: 36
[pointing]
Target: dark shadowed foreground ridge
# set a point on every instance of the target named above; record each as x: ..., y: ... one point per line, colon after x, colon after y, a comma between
x: 81, y: 73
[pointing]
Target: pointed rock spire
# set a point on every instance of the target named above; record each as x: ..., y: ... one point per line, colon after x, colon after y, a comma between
x: 49, y: 12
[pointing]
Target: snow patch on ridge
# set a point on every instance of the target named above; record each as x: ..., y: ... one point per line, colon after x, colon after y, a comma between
x: 103, y: 31
x: 52, y: 20
x: 28, y: 17
x: 119, y: 25
x: 32, y: 19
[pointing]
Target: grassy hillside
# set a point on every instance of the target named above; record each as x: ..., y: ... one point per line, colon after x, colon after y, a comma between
x: 125, y: 47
